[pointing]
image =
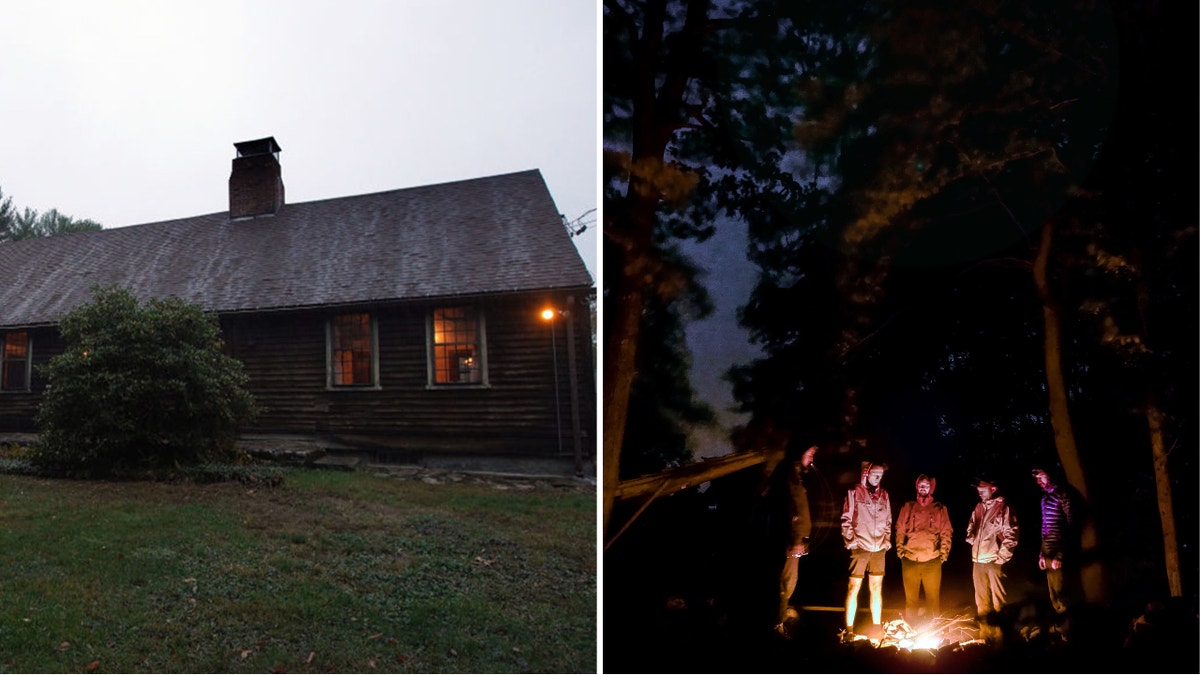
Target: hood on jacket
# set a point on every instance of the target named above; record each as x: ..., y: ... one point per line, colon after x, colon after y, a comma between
x: 932, y: 483
x: 866, y: 469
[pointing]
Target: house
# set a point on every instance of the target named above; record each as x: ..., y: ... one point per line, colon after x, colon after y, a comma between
x: 402, y: 326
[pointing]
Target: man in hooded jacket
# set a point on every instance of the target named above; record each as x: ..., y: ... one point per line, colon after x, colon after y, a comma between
x: 923, y: 536
x: 867, y: 532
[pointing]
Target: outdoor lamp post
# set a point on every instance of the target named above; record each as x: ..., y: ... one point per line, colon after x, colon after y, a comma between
x: 551, y: 315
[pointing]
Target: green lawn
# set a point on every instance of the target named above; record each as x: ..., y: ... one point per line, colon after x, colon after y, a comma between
x: 328, y: 572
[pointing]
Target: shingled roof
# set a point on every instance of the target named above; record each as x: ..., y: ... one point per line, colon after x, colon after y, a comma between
x: 473, y: 237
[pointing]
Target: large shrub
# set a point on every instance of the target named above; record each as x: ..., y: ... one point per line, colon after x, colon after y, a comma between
x: 140, y: 385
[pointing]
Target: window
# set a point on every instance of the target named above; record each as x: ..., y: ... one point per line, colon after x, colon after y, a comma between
x: 15, y: 362
x: 456, y: 342
x: 352, y: 351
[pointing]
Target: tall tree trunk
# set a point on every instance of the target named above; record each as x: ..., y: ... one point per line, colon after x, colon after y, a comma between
x: 1162, y: 479
x: 657, y: 106
x: 1092, y: 573
x: 1166, y: 509
x: 620, y: 360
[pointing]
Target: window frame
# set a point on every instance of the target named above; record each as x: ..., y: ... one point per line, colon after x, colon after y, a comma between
x: 331, y: 350
x: 480, y: 344
x: 5, y: 361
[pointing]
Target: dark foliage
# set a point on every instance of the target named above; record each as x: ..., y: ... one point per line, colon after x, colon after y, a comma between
x: 139, y: 386
x: 896, y: 309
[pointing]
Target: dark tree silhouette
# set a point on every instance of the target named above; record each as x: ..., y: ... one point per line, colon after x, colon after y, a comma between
x: 699, y: 99
x: 971, y: 187
x: 28, y: 223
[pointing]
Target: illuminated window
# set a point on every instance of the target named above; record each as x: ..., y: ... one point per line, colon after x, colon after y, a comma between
x: 14, y: 362
x: 457, y: 355
x: 352, y: 351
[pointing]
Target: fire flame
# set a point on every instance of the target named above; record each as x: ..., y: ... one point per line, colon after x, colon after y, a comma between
x: 935, y: 634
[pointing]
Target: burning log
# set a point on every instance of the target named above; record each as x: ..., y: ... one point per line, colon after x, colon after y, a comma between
x: 937, y: 633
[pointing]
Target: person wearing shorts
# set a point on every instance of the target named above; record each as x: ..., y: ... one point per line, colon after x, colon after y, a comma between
x: 867, y: 532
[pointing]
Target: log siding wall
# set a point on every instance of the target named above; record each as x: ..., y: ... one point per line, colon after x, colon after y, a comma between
x: 284, y: 355
x: 285, y: 358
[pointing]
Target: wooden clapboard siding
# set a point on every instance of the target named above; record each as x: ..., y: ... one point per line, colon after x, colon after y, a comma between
x: 284, y: 356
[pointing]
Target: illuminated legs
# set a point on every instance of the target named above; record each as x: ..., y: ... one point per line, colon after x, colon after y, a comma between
x: 787, y: 585
x: 916, y: 575
x: 989, y: 587
x: 852, y: 601
x: 1055, y: 583
x: 875, y: 588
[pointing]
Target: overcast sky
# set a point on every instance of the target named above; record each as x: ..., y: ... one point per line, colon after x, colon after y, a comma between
x: 719, y: 342
x: 126, y: 112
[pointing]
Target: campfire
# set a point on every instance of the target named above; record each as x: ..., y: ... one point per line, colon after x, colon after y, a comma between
x: 932, y: 635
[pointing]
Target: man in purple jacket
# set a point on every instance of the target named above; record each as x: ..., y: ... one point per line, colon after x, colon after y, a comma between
x: 1058, y: 535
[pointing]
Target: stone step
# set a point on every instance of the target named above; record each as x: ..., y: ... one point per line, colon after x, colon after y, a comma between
x: 340, y: 462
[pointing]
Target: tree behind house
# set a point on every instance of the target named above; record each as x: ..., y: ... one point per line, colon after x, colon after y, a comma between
x: 28, y: 224
x: 139, y: 386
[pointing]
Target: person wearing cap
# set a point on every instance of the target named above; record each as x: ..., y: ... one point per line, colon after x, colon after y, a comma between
x: 1058, y: 523
x: 867, y: 531
x: 992, y: 532
x: 923, y: 537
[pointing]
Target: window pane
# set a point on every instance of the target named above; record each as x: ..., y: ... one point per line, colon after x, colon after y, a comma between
x: 14, y: 375
x: 15, y: 345
x: 15, y: 362
x: 352, y: 349
x: 456, y: 346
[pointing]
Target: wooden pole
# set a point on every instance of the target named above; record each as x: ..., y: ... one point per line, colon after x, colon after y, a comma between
x: 573, y: 383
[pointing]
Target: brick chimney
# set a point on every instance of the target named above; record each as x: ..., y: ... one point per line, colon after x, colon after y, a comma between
x: 256, y: 183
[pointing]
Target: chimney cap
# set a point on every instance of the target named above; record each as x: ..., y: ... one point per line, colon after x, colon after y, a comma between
x: 262, y: 146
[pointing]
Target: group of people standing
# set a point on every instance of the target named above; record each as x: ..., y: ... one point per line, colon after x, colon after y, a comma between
x: 923, y: 536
